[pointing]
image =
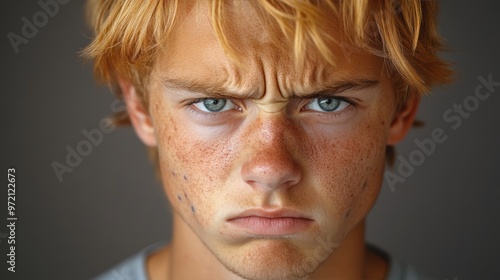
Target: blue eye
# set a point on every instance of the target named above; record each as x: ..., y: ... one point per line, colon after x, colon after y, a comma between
x: 327, y: 104
x: 213, y: 105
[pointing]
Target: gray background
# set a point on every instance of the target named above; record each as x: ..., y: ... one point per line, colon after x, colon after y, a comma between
x: 443, y: 218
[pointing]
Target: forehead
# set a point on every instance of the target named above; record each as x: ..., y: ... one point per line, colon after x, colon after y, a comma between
x: 193, y: 52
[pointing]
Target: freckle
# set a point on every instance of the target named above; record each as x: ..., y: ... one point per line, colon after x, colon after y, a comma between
x: 179, y: 197
x: 192, y: 209
x: 185, y: 177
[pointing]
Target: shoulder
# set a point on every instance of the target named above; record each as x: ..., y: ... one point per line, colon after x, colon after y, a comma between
x: 132, y: 268
x: 395, y: 268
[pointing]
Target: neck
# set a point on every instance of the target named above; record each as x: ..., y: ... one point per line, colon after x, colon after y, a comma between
x: 188, y: 258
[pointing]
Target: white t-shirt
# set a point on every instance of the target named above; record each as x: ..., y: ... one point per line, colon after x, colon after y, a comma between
x: 134, y: 268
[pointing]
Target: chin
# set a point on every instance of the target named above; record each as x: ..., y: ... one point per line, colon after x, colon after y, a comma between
x: 269, y: 259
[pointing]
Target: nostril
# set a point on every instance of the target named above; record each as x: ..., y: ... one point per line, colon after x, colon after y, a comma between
x: 268, y: 162
x: 268, y: 173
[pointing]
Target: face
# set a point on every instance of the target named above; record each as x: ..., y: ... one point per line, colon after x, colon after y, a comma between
x: 263, y: 160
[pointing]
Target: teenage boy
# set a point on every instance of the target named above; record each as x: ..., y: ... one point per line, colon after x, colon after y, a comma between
x: 270, y: 123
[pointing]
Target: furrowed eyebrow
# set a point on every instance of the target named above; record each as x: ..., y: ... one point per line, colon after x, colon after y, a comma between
x: 340, y: 87
x: 220, y: 91
x: 213, y: 90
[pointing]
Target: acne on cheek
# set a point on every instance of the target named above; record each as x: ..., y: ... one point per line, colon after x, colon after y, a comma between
x: 175, y: 181
x: 179, y: 185
x: 366, y: 195
x: 347, y: 173
x: 185, y: 183
x: 186, y: 202
x: 347, y: 213
x: 191, y: 164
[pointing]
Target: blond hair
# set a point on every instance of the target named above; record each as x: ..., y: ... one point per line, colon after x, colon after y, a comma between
x: 129, y: 35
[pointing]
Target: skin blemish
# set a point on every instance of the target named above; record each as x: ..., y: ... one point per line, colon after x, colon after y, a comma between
x: 185, y: 178
x: 347, y: 214
x: 179, y: 197
x: 364, y: 186
x: 173, y: 173
x: 192, y: 209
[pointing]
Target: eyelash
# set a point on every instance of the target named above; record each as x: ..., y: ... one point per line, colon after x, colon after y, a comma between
x: 352, y: 105
x: 215, y: 115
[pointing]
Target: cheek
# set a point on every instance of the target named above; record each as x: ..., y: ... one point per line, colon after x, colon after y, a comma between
x: 193, y: 167
x: 347, y: 168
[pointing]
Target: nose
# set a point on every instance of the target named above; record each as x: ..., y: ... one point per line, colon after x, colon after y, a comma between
x: 270, y: 164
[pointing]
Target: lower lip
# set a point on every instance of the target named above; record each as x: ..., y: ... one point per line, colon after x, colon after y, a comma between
x: 271, y: 226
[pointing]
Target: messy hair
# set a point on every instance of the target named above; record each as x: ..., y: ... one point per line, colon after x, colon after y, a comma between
x: 129, y: 35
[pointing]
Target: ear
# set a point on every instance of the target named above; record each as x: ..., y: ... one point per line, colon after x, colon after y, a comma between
x: 403, y: 120
x: 138, y: 115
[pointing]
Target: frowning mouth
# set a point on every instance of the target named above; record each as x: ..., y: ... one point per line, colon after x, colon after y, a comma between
x: 271, y: 222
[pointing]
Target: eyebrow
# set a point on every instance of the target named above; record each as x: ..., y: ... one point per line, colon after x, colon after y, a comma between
x: 215, y: 90
x: 339, y: 87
